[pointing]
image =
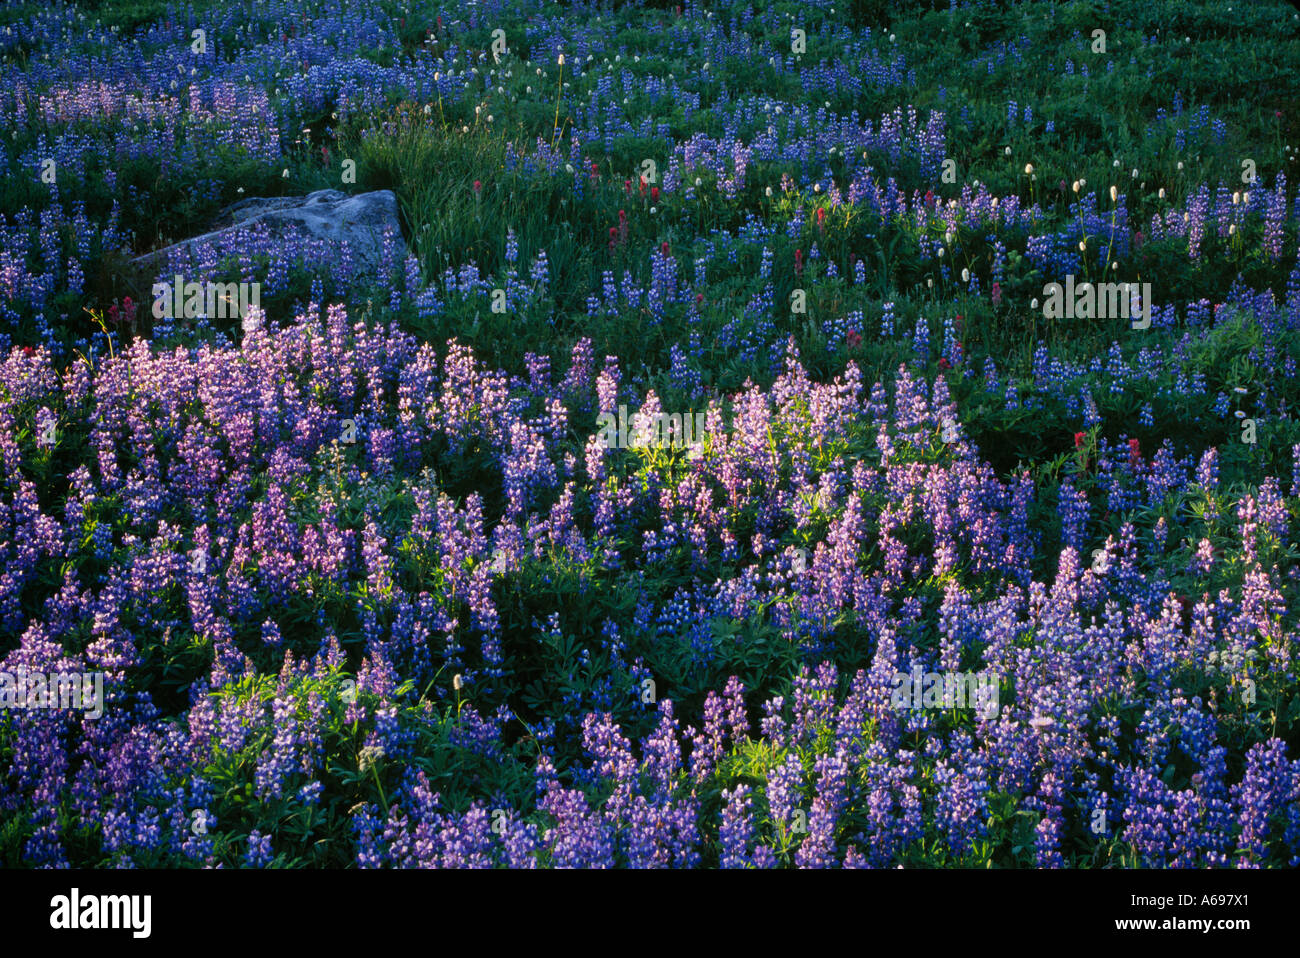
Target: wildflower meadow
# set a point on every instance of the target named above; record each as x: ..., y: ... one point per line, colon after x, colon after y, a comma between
x: 742, y: 435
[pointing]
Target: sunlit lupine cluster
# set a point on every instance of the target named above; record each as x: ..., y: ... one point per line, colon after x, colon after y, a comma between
x: 237, y: 516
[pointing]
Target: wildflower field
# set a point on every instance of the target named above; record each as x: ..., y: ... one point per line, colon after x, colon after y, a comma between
x: 840, y: 433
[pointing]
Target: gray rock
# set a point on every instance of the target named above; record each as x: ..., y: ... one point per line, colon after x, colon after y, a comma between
x: 327, y: 215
